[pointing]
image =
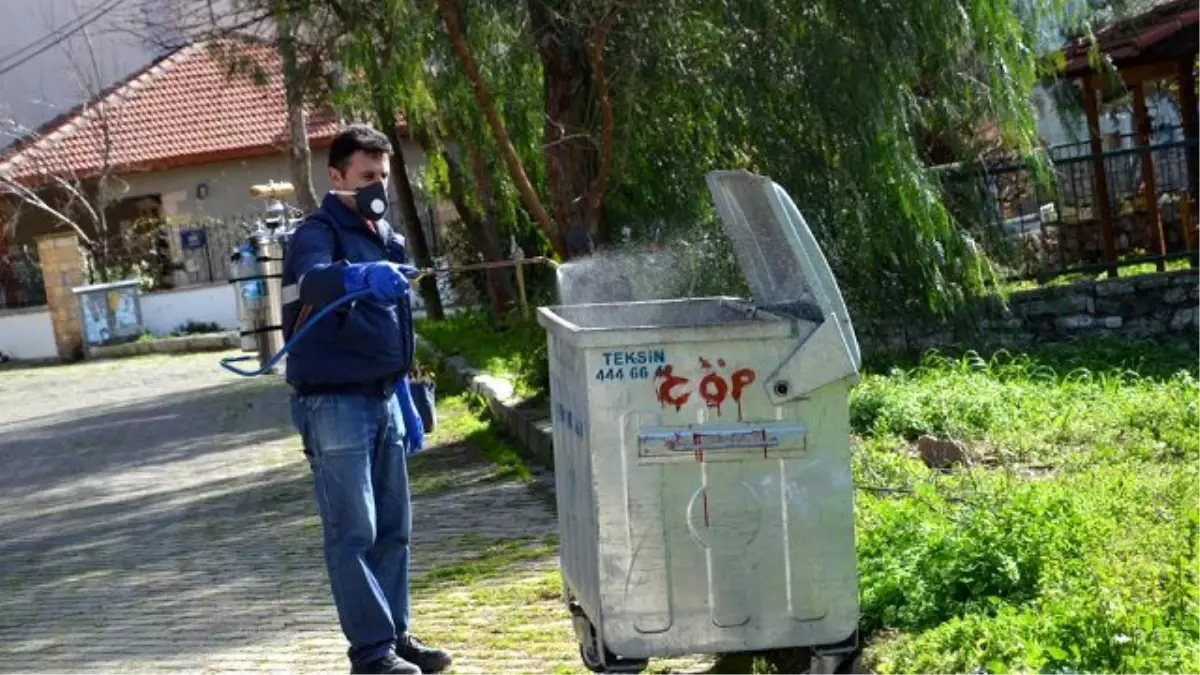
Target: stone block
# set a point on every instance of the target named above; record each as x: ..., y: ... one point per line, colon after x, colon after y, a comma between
x: 1149, y: 281
x: 1185, y: 277
x: 1112, y: 321
x: 1114, y: 287
x: 1066, y: 305
x: 1074, y: 322
x: 1113, y: 305
x: 1175, y: 295
x: 1143, y: 327
x: 1136, y: 307
x: 939, y: 453
x: 1185, y: 318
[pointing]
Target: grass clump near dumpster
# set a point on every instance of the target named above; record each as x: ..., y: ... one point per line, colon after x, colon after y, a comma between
x: 516, y: 351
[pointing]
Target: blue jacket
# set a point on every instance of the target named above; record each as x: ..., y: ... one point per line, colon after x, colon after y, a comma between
x: 362, y: 341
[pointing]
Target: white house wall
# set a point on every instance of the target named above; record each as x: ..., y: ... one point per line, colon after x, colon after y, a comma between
x: 1058, y: 128
x: 167, y: 311
x: 228, y: 183
x: 27, y: 334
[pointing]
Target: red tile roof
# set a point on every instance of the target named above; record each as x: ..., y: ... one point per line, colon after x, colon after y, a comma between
x: 185, y: 109
x: 1164, y: 32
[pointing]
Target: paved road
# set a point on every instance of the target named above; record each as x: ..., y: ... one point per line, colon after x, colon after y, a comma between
x: 156, y: 515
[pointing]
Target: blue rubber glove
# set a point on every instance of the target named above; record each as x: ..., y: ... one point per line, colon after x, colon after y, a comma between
x: 414, y: 431
x: 386, y: 280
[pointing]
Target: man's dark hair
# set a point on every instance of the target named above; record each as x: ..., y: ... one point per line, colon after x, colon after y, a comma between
x: 354, y: 138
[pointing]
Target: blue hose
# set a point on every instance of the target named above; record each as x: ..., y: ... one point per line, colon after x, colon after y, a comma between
x: 227, y: 362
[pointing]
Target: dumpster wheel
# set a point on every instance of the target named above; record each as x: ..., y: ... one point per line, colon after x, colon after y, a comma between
x: 612, y: 663
x: 589, y: 649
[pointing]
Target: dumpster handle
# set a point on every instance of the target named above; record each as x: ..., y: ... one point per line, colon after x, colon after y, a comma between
x: 681, y: 440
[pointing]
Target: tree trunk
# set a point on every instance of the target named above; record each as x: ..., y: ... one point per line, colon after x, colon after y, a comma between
x: 301, y: 160
x: 577, y: 165
x: 407, y: 210
x: 462, y: 50
x: 481, y: 227
x: 300, y: 156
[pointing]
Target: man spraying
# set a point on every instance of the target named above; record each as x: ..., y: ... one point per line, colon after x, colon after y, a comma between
x: 351, y: 401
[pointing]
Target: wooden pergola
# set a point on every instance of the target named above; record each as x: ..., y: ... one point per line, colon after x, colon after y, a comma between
x: 1159, y: 44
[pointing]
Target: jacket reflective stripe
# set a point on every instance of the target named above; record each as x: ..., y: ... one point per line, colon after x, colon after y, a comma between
x: 291, y: 292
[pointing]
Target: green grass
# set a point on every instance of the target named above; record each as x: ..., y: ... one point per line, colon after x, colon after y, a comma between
x: 1122, y: 272
x: 501, y: 610
x: 1025, y: 408
x: 1085, y: 564
x: 517, y: 351
x: 463, y: 419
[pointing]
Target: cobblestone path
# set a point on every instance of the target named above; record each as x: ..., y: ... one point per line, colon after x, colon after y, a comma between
x: 156, y: 515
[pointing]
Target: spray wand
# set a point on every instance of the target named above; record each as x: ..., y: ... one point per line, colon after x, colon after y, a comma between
x: 495, y: 264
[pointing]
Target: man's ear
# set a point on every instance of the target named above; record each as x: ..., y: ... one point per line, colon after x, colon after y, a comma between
x: 335, y: 178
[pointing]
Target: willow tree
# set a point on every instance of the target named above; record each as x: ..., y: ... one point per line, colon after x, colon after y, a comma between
x: 570, y: 38
x: 474, y: 171
x: 383, y: 53
x: 834, y: 99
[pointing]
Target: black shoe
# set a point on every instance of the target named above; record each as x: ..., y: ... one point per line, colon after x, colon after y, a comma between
x: 388, y: 663
x: 428, y: 660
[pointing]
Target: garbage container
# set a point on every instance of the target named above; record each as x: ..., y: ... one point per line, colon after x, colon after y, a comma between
x: 702, y: 454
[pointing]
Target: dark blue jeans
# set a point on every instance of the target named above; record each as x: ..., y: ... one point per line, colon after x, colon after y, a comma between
x: 354, y: 447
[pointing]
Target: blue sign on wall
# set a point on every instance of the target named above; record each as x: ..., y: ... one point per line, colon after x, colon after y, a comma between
x: 193, y: 239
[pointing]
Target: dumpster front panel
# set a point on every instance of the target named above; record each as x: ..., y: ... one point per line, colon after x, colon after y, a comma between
x: 573, y: 474
x: 725, y: 522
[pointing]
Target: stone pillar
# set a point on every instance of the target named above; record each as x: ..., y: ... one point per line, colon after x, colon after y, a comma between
x: 62, y: 270
x: 172, y: 214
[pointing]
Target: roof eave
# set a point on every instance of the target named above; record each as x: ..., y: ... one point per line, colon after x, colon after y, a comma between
x: 40, y: 180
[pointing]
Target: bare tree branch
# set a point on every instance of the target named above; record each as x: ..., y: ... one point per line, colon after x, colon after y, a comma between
x: 99, y: 113
x: 31, y: 198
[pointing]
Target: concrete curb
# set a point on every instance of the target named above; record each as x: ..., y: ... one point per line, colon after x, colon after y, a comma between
x: 531, y: 433
x: 172, y: 345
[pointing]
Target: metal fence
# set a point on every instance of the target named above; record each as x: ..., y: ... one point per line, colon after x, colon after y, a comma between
x: 21, y: 282
x: 200, y: 255
x: 140, y: 249
x: 1055, y: 224
x: 208, y: 246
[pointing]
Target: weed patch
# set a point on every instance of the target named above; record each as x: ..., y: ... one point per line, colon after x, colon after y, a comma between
x: 516, y: 351
x: 1028, y: 410
x: 1091, y: 567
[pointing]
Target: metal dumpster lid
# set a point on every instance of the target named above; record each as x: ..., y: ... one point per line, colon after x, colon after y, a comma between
x: 779, y: 256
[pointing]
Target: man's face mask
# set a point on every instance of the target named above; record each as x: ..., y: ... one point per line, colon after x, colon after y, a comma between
x: 371, y: 200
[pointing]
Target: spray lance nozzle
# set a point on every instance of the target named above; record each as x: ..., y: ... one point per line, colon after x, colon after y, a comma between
x: 491, y: 265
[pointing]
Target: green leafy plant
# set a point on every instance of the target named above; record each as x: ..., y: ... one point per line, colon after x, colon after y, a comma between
x: 517, y: 351
x: 1083, y: 562
x: 198, y: 328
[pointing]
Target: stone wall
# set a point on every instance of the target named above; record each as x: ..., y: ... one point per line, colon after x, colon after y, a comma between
x: 1152, y: 306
